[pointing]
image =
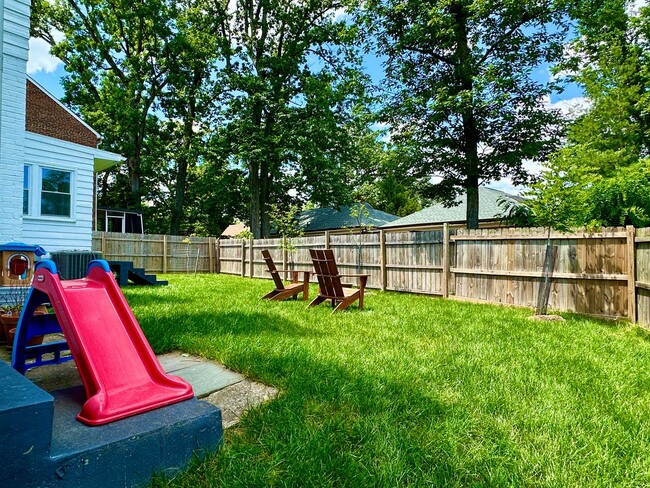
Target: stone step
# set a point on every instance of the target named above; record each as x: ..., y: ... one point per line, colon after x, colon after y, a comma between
x: 43, y: 445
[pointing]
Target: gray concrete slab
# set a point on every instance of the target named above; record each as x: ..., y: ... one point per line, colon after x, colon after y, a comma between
x: 206, y: 377
x: 213, y: 382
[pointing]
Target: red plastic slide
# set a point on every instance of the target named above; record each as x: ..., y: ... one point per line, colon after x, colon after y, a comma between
x: 120, y: 372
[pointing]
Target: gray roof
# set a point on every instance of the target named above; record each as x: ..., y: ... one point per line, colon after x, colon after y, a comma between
x: 320, y: 219
x: 489, y: 209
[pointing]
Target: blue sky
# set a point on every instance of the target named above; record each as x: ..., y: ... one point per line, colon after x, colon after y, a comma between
x: 48, y: 71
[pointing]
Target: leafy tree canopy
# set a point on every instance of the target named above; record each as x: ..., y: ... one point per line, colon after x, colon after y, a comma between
x: 461, y: 86
x: 601, y: 175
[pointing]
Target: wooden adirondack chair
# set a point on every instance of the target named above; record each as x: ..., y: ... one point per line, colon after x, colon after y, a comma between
x: 281, y: 291
x: 329, y: 282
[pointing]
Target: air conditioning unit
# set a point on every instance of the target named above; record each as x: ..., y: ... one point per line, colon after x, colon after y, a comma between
x: 72, y: 265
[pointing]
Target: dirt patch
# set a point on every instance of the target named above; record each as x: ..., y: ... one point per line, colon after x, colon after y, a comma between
x: 547, y: 318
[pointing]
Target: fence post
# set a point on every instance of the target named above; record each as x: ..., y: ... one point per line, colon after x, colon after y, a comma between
x: 243, y: 258
x: 382, y: 261
x: 164, y: 254
x: 211, y: 254
x: 327, y: 239
x: 631, y: 273
x: 251, y: 268
x: 285, y: 259
x: 218, y: 256
x: 103, y: 244
x: 445, y: 260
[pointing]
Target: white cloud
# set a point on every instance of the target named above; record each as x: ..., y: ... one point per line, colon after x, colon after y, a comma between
x: 635, y: 5
x: 340, y: 13
x: 571, y: 107
x: 40, y: 58
x: 505, y: 185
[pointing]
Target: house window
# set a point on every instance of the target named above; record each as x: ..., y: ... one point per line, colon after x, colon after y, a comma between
x: 55, y: 192
x: 26, y: 190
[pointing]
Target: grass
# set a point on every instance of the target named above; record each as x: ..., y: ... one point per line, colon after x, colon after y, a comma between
x: 412, y: 390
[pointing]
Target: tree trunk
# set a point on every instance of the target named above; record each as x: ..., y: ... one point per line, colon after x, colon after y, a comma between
x: 183, y: 159
x: 472, y: 206
x: 265, y: 195
x: 104, y: 186
x: 471, y: 136
x: 265, y: 218
x: 179, y: 197
x: 255, y: 207
x: 133, y: 164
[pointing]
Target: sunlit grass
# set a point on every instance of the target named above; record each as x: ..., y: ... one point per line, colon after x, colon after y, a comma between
x: 412, y: 390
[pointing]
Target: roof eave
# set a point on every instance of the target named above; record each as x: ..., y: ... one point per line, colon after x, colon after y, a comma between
x: 104, y: 160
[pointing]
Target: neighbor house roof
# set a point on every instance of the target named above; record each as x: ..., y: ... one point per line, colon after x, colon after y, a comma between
x: 234, y: 229
x: 321, y: 219
x: 489, y: 209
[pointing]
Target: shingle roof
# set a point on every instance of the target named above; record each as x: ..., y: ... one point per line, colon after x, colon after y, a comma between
x: 234, y: 229
x: 320, y: 219
x: 489, y: 209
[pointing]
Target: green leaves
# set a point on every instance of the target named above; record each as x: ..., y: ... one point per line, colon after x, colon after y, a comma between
x: 462, y: 91
x: 600, y: 177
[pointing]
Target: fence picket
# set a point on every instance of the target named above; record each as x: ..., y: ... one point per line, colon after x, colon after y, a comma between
x: 603, y: 273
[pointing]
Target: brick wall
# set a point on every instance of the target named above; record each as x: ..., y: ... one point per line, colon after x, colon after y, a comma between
x: 46, y: 117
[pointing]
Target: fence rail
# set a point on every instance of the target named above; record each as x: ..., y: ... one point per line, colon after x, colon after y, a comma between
x: 605, y: 273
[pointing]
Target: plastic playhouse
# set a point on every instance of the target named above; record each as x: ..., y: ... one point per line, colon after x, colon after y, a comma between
x: 17, y: 260
x: 124, y: 434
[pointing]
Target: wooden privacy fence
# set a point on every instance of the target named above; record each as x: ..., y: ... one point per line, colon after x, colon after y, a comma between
x: 158, y: 253
x: 605, y: 273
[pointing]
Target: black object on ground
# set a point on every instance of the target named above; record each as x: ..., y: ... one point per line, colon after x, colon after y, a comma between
x: 125, y: 272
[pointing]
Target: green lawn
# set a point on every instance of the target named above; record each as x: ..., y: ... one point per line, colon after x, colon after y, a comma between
x: 412, y: 390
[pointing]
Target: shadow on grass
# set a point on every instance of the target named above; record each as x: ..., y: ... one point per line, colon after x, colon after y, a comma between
x: 205, y: 325
x: 335, y: 426
x: 150, y: 297
x: 614, y: 323
x: 642, y: 332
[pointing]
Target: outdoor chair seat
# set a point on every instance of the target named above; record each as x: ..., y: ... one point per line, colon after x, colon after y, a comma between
x: 282, y: 291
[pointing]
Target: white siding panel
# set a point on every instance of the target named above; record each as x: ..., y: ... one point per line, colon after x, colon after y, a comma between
x: 14, y: 33
x: 75, y: 233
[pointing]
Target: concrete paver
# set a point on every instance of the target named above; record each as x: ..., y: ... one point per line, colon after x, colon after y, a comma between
x: 211, y: 381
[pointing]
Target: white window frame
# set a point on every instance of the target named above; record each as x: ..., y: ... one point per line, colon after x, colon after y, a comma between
x: 30, y: 188
x: 36, y: 191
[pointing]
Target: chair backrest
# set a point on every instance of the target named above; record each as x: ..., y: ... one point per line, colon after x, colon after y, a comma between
x: 328, y: 276
x: 273, y: 270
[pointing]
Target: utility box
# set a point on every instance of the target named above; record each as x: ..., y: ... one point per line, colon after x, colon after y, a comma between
x: 72, y: 265
x: 17, y: 260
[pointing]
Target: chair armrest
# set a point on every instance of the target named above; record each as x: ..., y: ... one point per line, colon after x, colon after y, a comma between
x: 363, y: 280
x: 294, y: 274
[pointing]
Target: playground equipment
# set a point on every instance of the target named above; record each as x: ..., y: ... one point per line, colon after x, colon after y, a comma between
x: 120, y: 373
x: 17, y: 262
x: 41, y: 443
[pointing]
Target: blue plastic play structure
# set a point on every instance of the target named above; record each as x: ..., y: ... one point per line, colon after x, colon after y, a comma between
x: 25, y: 357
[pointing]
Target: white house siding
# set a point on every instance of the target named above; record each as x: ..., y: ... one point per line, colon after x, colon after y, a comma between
x: 14, y: 31
x: 57, y: 233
